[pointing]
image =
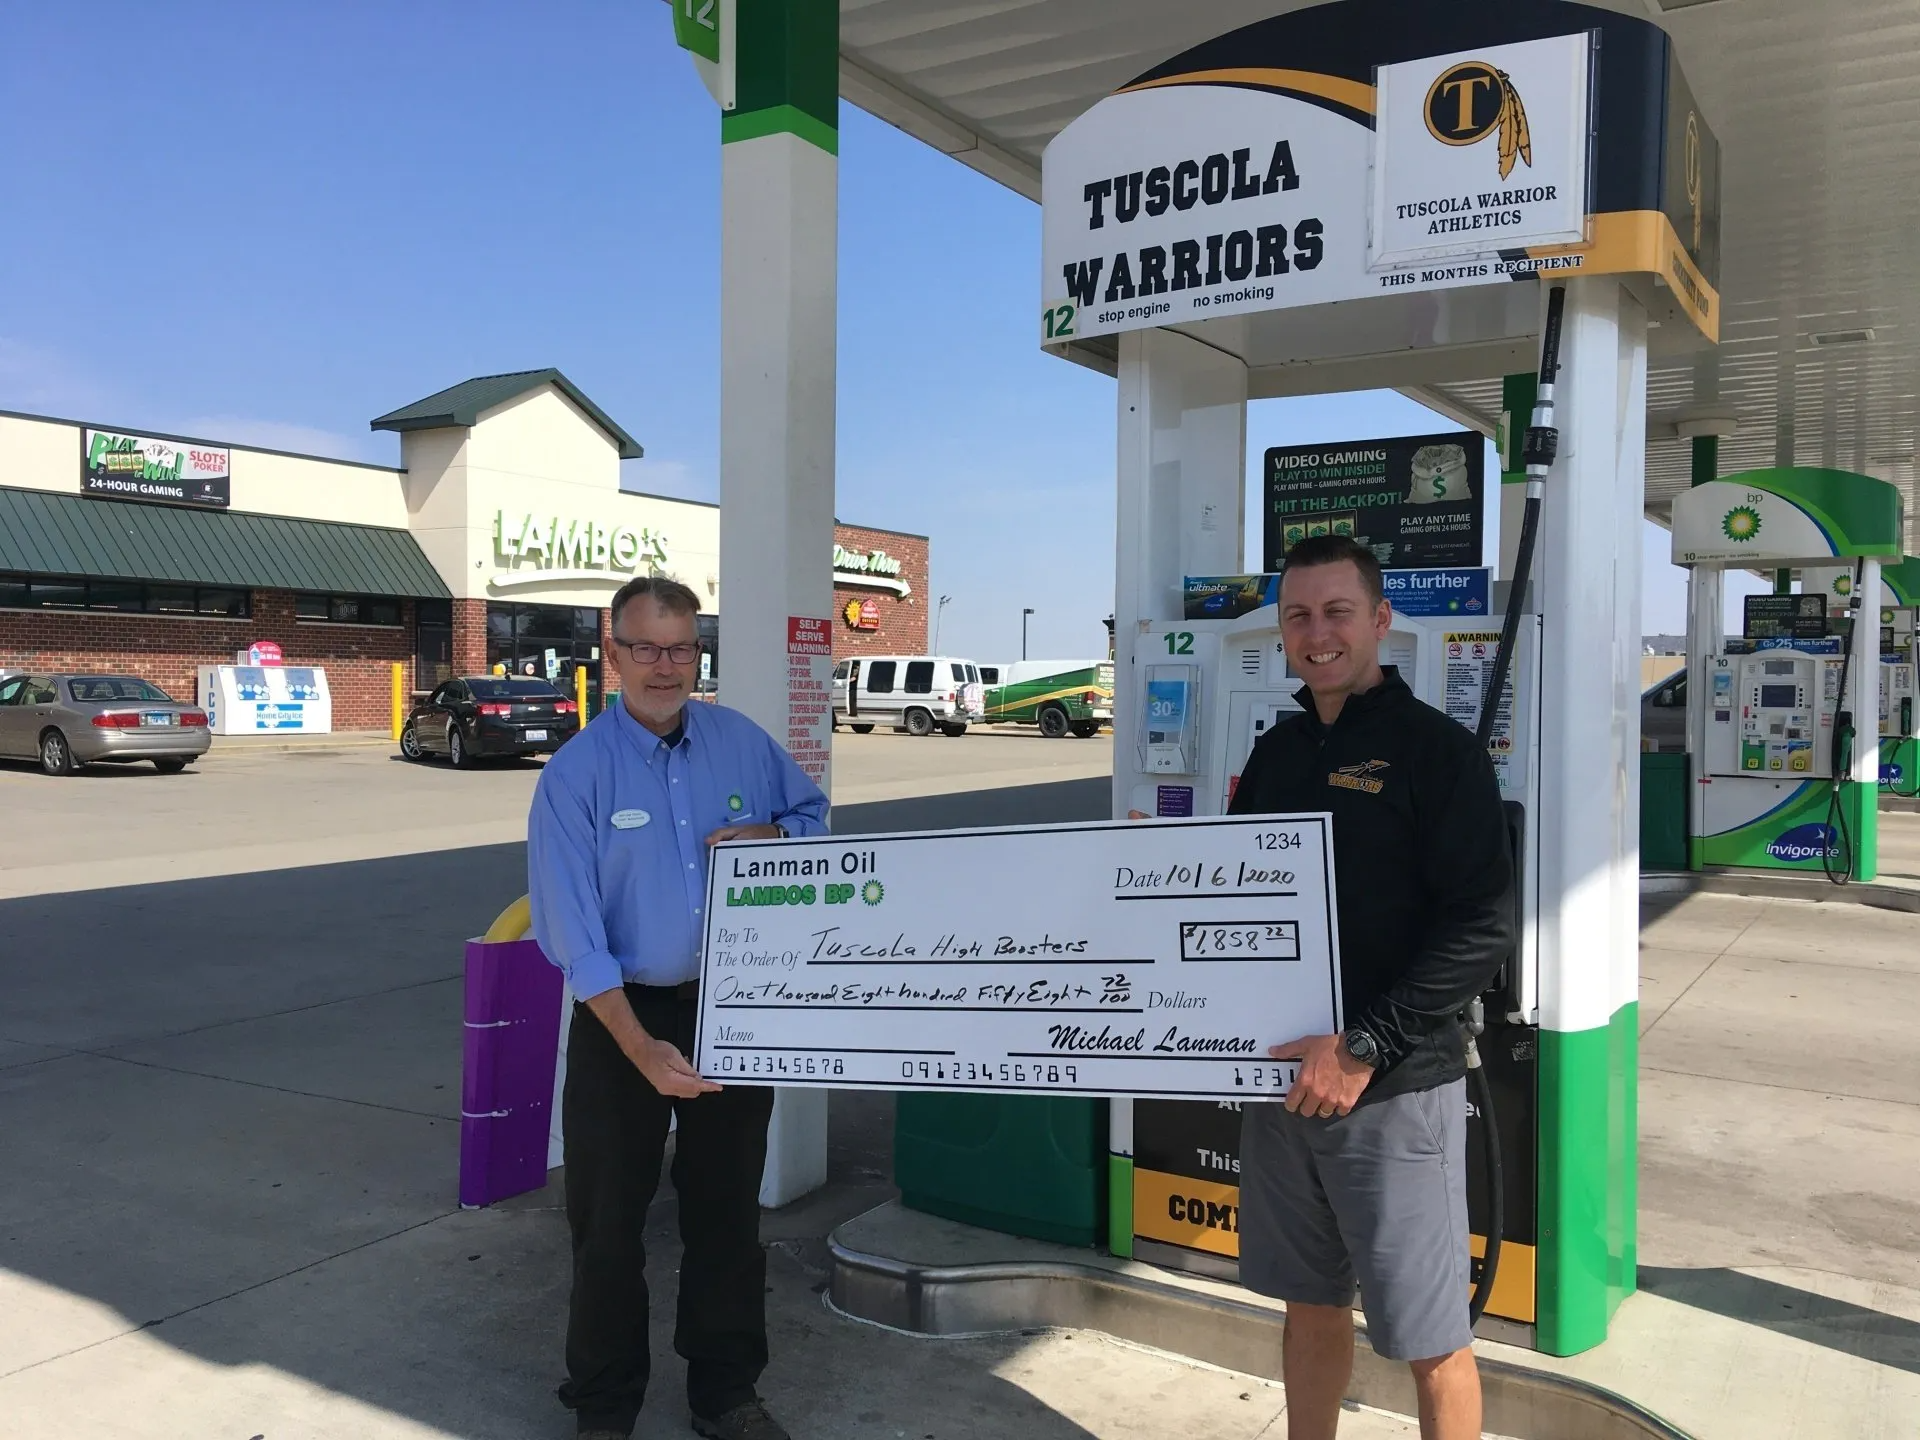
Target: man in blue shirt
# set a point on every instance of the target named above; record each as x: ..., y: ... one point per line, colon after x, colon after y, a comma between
x: 617, y: 846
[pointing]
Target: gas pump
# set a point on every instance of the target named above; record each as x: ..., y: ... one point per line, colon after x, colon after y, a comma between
x: 1899, y: 599
x: 1210, y: 688
x: 1781, y: 781
x: 1301, y: 164
x: 1899, y: 669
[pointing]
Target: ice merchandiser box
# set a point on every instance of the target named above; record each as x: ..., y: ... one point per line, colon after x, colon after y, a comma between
x: 266, y: 699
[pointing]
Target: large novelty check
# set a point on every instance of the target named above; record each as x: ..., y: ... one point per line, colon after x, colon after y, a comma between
x: 1148, y: 958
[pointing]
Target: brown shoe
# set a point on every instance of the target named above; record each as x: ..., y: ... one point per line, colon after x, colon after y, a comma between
x: 744, y: 1422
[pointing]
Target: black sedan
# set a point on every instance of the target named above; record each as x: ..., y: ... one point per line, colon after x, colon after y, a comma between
x: 489, y: 715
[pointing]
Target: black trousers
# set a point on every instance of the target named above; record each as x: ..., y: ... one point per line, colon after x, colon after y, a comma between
x: 615, y: 1127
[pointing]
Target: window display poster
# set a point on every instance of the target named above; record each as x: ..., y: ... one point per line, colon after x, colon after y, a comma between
x: 1414, y: 500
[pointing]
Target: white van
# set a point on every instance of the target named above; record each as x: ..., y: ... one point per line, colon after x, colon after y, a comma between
x: 915, y: 693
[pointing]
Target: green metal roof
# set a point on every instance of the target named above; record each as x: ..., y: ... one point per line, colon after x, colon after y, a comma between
x: 463, y: 404
x: 44, y: 533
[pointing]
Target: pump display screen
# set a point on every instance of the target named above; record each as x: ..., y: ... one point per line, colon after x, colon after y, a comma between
x: 1779, y: 697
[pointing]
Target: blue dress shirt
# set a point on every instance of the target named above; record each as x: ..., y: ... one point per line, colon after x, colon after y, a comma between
x: 617, y: 839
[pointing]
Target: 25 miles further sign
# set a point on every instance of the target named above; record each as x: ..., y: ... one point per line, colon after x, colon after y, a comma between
x: 1136, y: 958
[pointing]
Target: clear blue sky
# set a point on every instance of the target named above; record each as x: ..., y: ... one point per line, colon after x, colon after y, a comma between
x: 268, y: 223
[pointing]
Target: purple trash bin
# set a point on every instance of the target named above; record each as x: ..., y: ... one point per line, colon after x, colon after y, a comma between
x: 506, y: 1093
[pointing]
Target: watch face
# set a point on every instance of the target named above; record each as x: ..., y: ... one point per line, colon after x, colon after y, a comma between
x: 1360, y: 1045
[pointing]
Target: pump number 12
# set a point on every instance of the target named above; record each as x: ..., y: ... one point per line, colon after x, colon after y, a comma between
x: 1056, y: 322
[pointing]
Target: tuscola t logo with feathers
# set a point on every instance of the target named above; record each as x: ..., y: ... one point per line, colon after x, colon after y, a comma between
x: 1473, y: 100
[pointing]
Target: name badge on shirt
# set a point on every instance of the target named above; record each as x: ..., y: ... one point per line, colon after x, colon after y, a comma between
x: 630, y: 819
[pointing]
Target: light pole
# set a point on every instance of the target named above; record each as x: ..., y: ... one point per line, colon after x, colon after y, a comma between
x: 938, y: 611
x: 1023, y: 631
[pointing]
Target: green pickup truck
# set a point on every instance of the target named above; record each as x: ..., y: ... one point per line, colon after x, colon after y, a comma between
x: 1062, y: 697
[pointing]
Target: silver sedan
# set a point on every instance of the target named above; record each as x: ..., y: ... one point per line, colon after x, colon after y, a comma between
x: 66, y: 721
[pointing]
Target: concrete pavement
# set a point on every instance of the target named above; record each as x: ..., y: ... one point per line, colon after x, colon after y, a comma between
x: 229, y: 1078
x: 256, y: 810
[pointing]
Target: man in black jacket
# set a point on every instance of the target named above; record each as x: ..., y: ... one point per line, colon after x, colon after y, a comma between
x: 1360, y: 1174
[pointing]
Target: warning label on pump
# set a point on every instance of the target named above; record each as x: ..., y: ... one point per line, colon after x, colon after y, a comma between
x: 1469, y: 666
x: 809, y: 694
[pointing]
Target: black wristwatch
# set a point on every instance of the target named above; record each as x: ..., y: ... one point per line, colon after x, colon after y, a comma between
x: 1362, y: 1046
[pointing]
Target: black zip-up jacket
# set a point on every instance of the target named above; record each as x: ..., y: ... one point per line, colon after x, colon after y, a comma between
x: 1422, y: 868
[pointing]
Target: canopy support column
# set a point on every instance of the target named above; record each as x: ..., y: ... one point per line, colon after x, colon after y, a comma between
x: 1589, y: 588
x: 779, y: 190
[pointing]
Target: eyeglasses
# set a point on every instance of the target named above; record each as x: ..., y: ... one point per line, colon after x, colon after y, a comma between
x: 645, y: 652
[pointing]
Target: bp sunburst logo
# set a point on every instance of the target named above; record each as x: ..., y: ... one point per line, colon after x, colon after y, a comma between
x: 1741, y: 523
x: 873, y: 892
x: 1843, y: 585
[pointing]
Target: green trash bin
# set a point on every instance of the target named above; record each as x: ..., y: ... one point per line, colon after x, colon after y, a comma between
x: 1020, y: 1164
x: 1663, y: 812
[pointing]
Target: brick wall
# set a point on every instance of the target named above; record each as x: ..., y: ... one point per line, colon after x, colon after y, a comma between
x: 169, y: 650
x: 609, y: 677
x: 469, y: 637
x: 905, y: 621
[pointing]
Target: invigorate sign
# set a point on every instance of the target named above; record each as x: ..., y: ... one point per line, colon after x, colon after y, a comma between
x: 118, y: 466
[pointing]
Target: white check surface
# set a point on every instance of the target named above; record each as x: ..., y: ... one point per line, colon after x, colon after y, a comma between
x: 1145, y: 958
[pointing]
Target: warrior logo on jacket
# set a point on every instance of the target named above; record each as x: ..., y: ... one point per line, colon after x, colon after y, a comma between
x: 1359, y: 777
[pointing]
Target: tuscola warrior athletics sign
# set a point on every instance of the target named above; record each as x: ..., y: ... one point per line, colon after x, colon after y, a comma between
x: 1463, y: 166
x: 1363, y: 148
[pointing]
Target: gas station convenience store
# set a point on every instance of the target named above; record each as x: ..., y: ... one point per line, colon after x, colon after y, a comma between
x: 497, y: 540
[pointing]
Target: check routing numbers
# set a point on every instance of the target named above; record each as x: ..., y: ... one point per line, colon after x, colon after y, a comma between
x: 1141, y: 958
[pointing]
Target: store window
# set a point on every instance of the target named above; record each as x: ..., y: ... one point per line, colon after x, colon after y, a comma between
x: 432, y: 643
x: 383, y: 610
x: 39, y: 592
x: 545, y: 641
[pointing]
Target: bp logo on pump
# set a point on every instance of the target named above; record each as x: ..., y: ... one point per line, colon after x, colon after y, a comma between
x: 1805, y: 842
x: 1741, y: 524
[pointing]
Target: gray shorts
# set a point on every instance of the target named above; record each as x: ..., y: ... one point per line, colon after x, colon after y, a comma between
x: 1379, y: 1196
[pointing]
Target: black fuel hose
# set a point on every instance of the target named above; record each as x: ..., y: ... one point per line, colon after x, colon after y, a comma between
x: 1496, y: 1174
x: 1538, y: 451
x: 1842, y: 758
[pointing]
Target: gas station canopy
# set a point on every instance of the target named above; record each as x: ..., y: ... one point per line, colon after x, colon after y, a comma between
x: 1814, y: 109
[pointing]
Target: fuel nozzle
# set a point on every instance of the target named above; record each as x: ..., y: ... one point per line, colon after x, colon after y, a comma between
x: 1473, y: 1020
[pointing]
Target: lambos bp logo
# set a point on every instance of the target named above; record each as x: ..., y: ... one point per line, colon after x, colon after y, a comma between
x: 1473, y: 100
x: 1805, y: 842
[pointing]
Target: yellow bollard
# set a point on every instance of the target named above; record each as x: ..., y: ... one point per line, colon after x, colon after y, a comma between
x: 580, y: 690
x: 513, y: 923
x: 399, y: 698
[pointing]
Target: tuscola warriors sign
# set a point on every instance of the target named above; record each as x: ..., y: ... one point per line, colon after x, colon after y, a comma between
x: 1364, y: 148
